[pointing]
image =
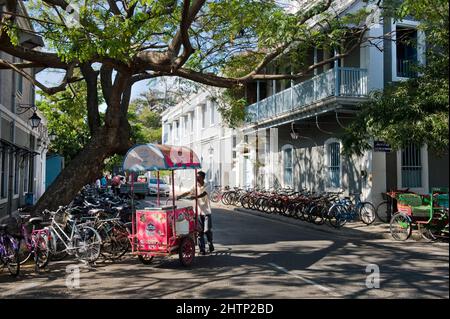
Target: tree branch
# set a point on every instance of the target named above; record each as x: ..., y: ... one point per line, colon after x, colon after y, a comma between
x: 114, y: 8
x: 68, y: 78
x: 182, y: 36
x: 106, y: 81
x: 92, y: 97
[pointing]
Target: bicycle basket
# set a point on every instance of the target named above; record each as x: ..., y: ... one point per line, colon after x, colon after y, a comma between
x: 61, y: 218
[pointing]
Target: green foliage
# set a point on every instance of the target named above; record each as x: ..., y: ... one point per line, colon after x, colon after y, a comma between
x: 415, y: 110
x: 145, y: 121
x: 66, y: 116
x: 232, y: 107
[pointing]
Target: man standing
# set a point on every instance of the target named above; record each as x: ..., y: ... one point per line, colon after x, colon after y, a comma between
x: 204, y: 209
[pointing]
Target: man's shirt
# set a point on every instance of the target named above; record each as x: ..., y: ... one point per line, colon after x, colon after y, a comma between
x: 204, y: 206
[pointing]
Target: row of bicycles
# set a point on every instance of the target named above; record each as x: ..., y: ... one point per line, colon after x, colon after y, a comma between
x: 92, y: 226
x: 403, y: 209
x: 318, y: 208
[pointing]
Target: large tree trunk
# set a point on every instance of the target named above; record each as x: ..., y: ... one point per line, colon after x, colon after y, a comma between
x: 86, y: 167
x: 111, y: 138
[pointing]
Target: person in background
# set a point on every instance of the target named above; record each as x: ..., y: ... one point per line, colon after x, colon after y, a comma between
x: 104, y: 182
x: 204, y: 209
x: 115, y: 184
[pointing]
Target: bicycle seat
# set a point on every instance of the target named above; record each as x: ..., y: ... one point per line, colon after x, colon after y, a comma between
x: 36, y: 220
x: 95, y: 211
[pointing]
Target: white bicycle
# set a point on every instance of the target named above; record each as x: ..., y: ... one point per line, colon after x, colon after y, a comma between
x: 67, y: 236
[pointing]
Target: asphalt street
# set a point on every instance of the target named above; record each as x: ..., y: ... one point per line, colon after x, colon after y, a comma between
x: 257, y: 257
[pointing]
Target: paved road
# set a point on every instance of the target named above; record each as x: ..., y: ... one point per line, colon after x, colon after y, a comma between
x: 258, y: 258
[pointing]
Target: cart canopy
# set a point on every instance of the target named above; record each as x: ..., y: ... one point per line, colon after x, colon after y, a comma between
x: 155, y: 157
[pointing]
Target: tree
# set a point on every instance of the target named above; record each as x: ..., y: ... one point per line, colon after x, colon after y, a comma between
x: 416, y: 110
x: 67, y: 118
x: 115, y: 44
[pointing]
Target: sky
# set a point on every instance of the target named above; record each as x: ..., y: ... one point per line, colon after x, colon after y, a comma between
x: 53, y: 78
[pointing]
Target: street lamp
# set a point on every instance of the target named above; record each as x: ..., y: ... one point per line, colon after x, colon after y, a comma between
x: 52, y: 136
x: 34, y: 119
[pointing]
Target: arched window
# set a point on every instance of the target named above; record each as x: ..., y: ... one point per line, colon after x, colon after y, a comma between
x: 333, y: 163
x: 288, y: 165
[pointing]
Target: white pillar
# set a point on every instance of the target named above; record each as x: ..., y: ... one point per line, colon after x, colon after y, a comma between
x: 372, y: 59
x: 376, y: 179
x: 274, y: 164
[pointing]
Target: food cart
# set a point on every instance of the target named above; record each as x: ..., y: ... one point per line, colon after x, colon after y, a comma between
x: 163, y: 230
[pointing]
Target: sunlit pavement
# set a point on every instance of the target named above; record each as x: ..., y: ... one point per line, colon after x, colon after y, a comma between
x: 257, y: 257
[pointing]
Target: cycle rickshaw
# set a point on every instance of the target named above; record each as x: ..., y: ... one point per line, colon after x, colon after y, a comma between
x: 428, y: 212
x: 163, y: 230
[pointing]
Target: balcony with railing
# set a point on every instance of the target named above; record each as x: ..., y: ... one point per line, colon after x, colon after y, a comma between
x: 339, y: 82
x: 406, y: 68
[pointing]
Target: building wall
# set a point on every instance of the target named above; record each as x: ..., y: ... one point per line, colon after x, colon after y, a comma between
x: 209, y: 138
x: 15, y: 129
x: 438, y: 170
x: 365, y: 174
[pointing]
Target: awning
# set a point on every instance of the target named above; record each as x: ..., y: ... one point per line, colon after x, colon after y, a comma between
x: 156, y: 157
x: 17, y: 148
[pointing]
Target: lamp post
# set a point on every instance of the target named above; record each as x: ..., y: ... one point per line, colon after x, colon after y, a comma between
x: 34, y: 119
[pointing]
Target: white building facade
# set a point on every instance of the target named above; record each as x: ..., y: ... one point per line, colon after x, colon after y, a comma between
x: 23, y: 148
x: 294, y: 129
x: 197, y: 124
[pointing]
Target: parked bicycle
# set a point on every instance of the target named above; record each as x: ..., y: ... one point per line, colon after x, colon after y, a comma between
x: 347, y: 210
x: 9, y: 251
x: 80, y: 240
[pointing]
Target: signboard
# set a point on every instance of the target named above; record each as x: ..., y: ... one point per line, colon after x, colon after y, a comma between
x: 380, y: 146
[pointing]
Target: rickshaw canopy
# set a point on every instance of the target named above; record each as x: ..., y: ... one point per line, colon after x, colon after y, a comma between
x: 156, y: 157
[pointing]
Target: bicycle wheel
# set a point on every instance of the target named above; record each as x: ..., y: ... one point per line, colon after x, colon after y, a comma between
x: 57, y: 248
x: 383, y: 211
x: 429, y: 234
x: 88, y: 244
x: 24, y: 251
x: 245, y: 201
x: 322, y: 213
x: 336, y: 215
x: 215, y: 196
x: 41, y: 251
x: 115, y: 241
x: 225, y: 198
x: 367, y: 213
x: 11, y: 258
x: 400, y: 227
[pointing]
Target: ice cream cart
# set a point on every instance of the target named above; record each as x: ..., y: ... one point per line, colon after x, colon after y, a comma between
x: 163, y: 230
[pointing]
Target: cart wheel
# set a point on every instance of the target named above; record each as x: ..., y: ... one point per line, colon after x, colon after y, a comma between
x: 400, y: 227
x: 187, y: 251
x: 145, y: 259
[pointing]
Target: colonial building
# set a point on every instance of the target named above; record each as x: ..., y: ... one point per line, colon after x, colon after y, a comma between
x: 197, y: 123
x: 22, y: 147
x: 294, y: 126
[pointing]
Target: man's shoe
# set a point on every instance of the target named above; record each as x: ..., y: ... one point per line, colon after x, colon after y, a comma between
x: 202, y: 252
x: 211, y: 248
